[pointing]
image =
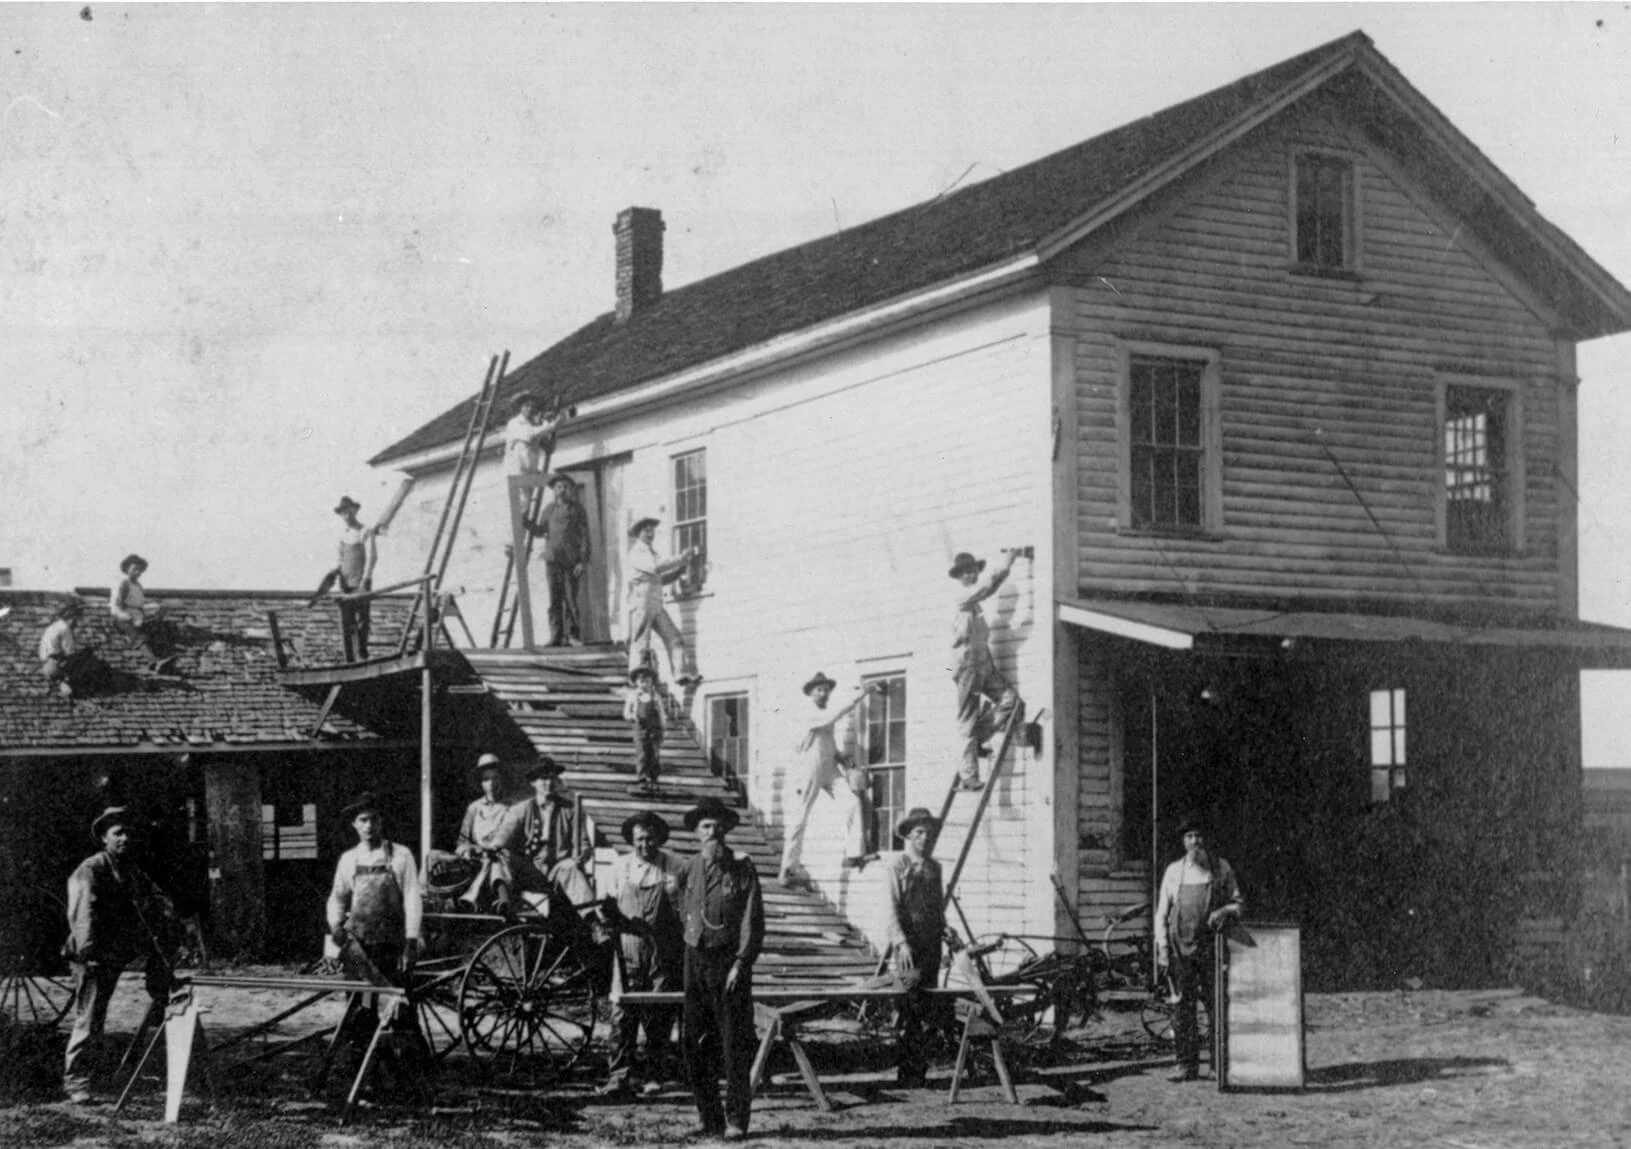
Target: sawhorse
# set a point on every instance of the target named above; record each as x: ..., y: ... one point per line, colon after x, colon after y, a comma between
x: 781, y: 1023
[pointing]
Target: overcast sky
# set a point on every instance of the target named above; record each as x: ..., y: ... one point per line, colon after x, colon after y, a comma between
x: 243, y: 248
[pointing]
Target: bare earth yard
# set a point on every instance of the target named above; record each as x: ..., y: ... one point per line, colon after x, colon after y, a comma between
x: 1463, y: 1070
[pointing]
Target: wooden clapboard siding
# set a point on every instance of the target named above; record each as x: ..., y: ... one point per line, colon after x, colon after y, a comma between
x: 838, y: 491
x: 1313, y: 368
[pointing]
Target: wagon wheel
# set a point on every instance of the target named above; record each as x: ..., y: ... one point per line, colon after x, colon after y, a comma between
x: 1158, y: 1013
x: 527, y: 1003
x: 435, y: 996
x: 36, y: 987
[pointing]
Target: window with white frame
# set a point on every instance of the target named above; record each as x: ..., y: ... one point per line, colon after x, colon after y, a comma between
x: 1387, y: 743
x: 1480, y: 456
x: 728, y: 736
x: 691, y: 515
x: 288, y: 831
x: 883, y: 751
x: 1170, y: 456
x: 1324, y: 212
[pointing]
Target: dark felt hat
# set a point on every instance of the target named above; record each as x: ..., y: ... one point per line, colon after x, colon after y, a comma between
x: 555, y: 477
x: 73, y: 608
x: 641, y: 671
x: 641, y: 522
x: 362, y: 803
x: 915, y: 817
x: 526, y: 397
x: 112, y: 816
x: 963, y: 562
x: 129, y: 561
x: 544, y: 767
x: 820, y: 679
x: 711, y: 807
x: 347, y: 505
x: 1193, y: 822
x: 650, y: 819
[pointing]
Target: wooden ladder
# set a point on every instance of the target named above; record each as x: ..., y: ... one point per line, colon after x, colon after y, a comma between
x: 999, y: 762
x: 458, y: 493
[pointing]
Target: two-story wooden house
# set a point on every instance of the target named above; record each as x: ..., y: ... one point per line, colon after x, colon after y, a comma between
x: 1280, y: 385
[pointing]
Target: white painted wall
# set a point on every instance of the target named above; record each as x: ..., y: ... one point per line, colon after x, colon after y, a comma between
x: 838, y: 492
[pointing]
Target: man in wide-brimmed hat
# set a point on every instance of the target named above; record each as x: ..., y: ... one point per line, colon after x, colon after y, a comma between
x: 724, y: 917
x: 539, y: 838
x: 645, y: 886
x: 643, y: 710
x: 973, y: 669
x: 1199, y: 897
x: 115, y: 915
x: 644, y: 576
x: 479, y: 833
x: 140, y: 619
x: 914, y: 926
x: 818, y: 764
x: 375, y: 900
x: 564, y: 525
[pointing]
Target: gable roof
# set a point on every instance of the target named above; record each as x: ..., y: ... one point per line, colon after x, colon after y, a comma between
x: 1033, y: 210
x: 228, y: 692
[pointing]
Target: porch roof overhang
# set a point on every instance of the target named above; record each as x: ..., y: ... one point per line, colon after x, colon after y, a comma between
x: 1185, y: 626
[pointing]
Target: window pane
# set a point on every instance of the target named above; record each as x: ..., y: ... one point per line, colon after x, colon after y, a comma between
x: 1379, y: 712
x: 1398, y: 706
x: 1398, y: 745
x: 1381, y: 745
x: 897, y: 741
x: 1380, y: 787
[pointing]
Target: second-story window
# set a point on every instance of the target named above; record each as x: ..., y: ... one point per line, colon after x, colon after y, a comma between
x: 1170, y: 463
x: 1477, y: 479
x: 691, y: 515
x: 1324, y: 224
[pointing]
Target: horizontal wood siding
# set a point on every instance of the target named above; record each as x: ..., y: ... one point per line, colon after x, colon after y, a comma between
x: 838, y: 492
x: 1313, y: 368
x: 1107, y: 884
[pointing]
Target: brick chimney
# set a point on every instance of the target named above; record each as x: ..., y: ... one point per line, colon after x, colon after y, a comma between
x: 639, y: 232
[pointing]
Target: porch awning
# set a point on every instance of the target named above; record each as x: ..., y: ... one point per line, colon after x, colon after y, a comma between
x: 1182, y: 626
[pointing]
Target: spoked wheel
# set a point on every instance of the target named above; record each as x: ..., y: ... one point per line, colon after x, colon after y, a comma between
x: 34, y: 998
x: 527, y: 1004
x: 435, y: 997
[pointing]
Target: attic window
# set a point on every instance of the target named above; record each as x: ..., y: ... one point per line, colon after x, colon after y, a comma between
x: 1324, y: 215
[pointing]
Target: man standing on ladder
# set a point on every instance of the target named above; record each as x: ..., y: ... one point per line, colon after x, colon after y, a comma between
x: 529, y: 445
x: 973, y: 668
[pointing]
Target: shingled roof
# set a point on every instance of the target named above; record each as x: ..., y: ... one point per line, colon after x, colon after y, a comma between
x: 1013, y: 214
x: 227, y: 690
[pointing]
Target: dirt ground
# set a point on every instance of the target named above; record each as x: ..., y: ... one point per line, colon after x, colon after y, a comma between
x: 1463, y: 1070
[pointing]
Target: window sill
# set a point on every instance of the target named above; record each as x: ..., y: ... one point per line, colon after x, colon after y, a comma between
x: 1481, y: 552
x: 1315, y: 271
x: 1199, y: 535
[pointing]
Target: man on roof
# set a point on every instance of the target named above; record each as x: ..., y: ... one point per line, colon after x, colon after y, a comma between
x: 645, y: 576
x: 65, y: 664
x: 139, y: 619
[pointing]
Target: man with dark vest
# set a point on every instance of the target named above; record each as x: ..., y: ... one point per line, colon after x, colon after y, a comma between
x: 1199, y: 898
x: 914, y: 927
x: 645, y: 885
x: 115, y: 915
x: 724, y: 915
x: 539, y: 838
x: 565, y: 527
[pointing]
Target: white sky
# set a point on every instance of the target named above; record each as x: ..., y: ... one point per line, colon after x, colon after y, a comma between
x: 244, y: 247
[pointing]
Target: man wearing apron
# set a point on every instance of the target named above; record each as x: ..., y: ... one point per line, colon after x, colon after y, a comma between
x: 914, y: 927
x: 1199, y: 896
x: 653, y: 943
x: 376, y: 900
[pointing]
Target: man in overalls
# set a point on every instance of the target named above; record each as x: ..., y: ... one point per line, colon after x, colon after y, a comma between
x: 1199, y: 896
x: 914, y: 928
x: 653, y: 941
x: 376, y: 899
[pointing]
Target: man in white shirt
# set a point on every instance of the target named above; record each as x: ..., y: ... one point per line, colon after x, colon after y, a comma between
x: 973, y: 668
x: 140, y: 619
x: 529, y: 436
x: 645, y: 575
x: 1199, y: 897
x: 63, y: 663
x: 375, y: 900
x: 818, y: 766
x: 646, y: 890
